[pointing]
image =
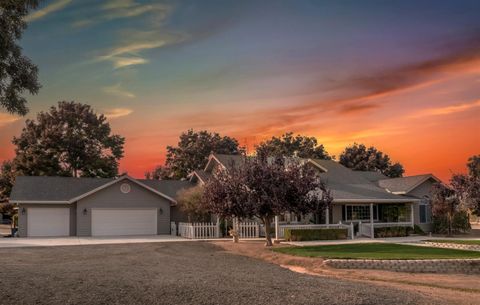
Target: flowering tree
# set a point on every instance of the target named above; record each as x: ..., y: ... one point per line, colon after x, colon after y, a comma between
x: 263, y: 189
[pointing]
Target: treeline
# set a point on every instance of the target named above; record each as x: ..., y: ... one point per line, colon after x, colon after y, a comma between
x: 193, y: 149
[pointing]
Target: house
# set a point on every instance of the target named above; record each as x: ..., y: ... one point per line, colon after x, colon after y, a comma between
x: 359, y: 197
x: 65, y: 206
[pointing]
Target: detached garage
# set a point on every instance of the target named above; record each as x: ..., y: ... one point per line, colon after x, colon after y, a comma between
x: 64, y: 206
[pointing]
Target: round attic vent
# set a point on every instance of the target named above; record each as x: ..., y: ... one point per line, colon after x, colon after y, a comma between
x: 125, y: 188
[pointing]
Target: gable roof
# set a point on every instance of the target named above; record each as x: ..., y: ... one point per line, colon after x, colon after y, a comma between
x: 225, y: 161
x: 404, y: 185
x: 168, y: 187
x: 345, y: 184
x: 200, y: 175
x: 34, y: 189
x: 372, y: 176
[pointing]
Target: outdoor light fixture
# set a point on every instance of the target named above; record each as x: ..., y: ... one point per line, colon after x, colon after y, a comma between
x: 160, y: 211
x: 23, y: 211
x: 84, y: 211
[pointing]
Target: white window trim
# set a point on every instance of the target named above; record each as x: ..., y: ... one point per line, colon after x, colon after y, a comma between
x: 375, y: 206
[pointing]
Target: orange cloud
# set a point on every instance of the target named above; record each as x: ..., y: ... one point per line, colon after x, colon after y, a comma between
x: 6, y: 118
x: 446, y: 110
x: 117, y: 112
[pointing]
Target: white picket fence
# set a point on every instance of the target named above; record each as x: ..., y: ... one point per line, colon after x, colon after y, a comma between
x: 199, y: 230
x: 248, y: 229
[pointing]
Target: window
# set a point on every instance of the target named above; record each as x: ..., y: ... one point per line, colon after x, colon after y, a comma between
x: 360, y: 212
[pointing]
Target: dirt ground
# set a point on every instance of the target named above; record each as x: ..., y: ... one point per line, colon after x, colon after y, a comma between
x: 453, y: 288
x: 174, y: 273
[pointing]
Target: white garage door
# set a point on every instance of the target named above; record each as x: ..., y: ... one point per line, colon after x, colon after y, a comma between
x: 109, y: 222
x: 48, y: 221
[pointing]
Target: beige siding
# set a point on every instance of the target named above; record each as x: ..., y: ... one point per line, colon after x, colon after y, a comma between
x: 336, y: 213
x: 420, y: 192
x: 112, y: 197
x: 22, y: 218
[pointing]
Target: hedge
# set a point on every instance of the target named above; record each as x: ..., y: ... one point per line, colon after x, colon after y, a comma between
x: 315, y: 234
x: 393, y: 231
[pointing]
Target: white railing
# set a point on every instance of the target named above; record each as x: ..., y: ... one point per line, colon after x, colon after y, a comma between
x: 199, y: 230
x: 365, y: 229
x: 249, y: 229
x: 173, y: 228
x: 281, y: 228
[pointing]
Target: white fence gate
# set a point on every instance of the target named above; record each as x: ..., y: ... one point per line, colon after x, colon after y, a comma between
x: 199, y: 230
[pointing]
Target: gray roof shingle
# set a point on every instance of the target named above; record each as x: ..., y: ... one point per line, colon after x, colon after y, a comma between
x: 33, y: 188
x: 344, y: 183
x: 404, y: 184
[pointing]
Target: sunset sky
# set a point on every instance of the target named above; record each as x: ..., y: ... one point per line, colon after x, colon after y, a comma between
x: 403, y: 76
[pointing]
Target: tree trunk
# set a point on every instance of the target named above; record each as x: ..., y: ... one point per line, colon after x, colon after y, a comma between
x: 449, y: 217
x: 266, y: 222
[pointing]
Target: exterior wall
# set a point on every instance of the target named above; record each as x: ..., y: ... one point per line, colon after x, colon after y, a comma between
x: 112, y: 197
x: 22, y: 218
x: 420, y: 192
x: 336, y: 212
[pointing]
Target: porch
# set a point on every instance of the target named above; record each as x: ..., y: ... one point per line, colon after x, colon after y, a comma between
x: 360, y: 218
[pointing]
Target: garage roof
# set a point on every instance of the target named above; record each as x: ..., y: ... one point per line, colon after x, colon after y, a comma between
x: 67, y: 189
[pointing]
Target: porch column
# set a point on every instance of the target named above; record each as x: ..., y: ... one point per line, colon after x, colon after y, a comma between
x: 372, y: 229
x: 276, y: 228
x: 327, y: 216
x: 412, y: 219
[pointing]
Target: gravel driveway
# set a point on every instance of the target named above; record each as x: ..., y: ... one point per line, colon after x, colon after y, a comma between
x: 170, y: 273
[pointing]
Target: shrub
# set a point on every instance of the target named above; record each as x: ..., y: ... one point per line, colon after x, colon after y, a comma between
x: 460, y: 223
x: 393, y: 231
x: 315, y: 234
x: 418, y: 230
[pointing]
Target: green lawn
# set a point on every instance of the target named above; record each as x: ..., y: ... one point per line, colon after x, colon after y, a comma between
x: 377, y: 251
x: 457, y: 241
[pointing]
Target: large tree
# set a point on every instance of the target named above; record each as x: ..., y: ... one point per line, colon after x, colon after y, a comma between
x: 264, y: 189
x: 160, y: 172
x: 289, y: 145
x: 17, y: 73
x: 444, y: 204
x: 473, y: 166
x: 69, y: 140
x: 7, y: 178
x: 193, y: 149
x: 359, y: 157
x: 190, y: 202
